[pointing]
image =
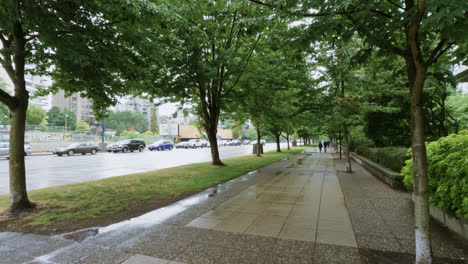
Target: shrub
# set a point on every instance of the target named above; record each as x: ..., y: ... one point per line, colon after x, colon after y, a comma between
x: 360, y: 144
x: 390, y: 157
x: 447, y: 160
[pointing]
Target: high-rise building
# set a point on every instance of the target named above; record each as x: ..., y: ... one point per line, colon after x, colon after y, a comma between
x: 33, y: 84
x: 461, y: 74
x: 81, y: 106
x: 136, y: 104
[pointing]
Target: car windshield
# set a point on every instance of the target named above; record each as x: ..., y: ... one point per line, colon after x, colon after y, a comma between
x: 193, y: 140
x: 73, y: 145
x: 123, y: 142
x: 158, y: 142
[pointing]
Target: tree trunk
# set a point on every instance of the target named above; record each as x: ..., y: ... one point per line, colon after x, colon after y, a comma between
x: 259, y: 148
x: 340, y: 142
x: 416, y: 77
x: 287, y: 139
x: 277, y: 138
x: 348, y: 158
x: 18, y: 194
x: 211, y: 133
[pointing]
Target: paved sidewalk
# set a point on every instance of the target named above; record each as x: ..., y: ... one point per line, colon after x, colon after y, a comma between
x: 304, y: 209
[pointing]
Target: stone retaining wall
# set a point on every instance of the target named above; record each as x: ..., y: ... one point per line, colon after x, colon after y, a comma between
x: 376, y: 169
x: 457, y: 225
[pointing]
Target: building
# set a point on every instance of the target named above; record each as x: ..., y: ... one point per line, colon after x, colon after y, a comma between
x: 81, y: 106
x: 461, y: 75
x: 33, y: 84
x: 187, y: 132
x: 136, y: 104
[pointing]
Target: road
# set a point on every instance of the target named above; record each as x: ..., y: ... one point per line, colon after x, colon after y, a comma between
x: 51, y: 170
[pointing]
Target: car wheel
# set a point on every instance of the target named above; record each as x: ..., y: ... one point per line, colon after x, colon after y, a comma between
x: 70, y: 152
x: 170, y: 148
x: 83, y: 153
x: 93, y: 152
x: 141, y: 148
x: 109, y: 151
x: 60, y: 155
x: 125, y: 150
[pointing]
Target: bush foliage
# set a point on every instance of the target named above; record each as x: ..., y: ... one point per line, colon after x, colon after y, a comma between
x: 448, y: 173
x: 390, y: 157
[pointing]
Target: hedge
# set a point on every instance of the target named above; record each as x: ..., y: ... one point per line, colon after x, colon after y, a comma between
x: 390, y: 157
x: 448, y: 173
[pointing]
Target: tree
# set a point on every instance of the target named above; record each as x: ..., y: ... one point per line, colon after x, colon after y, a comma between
x: 57, y: 118
x: 95, y: 48
x: 83, y: 126
x: 35, y: 115
x: 154, y: 121
x: 127, y: 120
x: 418, y: 31
x: 211, y: 45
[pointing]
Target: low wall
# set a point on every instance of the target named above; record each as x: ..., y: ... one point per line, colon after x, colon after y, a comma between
x: 376, y: 169
x: 457, y: 225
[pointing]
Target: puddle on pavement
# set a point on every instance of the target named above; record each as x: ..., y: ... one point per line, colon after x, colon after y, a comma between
x: 81, y: 235
x: 160, y: 215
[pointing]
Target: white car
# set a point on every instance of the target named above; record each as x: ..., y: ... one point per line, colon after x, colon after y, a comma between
x: 196, y: 143
x: 263, y: 142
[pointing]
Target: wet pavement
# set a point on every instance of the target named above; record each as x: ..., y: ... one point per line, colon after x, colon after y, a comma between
x: 51, y: 170
x: 298, y: 210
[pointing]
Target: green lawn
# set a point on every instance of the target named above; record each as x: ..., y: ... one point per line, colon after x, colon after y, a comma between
x: 90, y: 199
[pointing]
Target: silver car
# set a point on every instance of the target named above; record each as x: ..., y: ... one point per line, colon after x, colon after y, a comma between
x: 5, y: 149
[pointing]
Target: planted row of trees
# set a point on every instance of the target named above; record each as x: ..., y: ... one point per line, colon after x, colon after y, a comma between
x: 245, y: 59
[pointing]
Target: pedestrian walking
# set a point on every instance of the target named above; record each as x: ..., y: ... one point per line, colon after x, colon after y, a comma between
x: 320, y: 146
x: 325, y: 146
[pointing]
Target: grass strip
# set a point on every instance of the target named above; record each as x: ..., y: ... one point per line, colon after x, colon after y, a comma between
x: 90, y: 199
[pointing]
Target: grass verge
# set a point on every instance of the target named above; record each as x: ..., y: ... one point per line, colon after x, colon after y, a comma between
x: 93, y: 199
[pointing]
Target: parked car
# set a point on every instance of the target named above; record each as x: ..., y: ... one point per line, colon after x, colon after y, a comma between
x: 184, y: 144
x: 5, y: 149
x: 195, y: 143
x: 205, y: 143
x: 161, y: 145
x: 27, y: 149
x: 127, y: 145
x: 246, y: 142
x: 263, y: 142
x: 225, y: 142
x: 235, y: 142
x: 78, y: 147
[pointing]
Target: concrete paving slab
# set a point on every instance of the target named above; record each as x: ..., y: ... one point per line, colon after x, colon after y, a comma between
x: 142, y: 259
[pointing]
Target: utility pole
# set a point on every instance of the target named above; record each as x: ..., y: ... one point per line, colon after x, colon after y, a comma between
x: 66, y: 117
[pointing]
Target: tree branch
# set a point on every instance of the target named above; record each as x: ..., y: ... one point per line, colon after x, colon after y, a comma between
x: 261, y: 3
x: 438, y: 51
x: 7, y: 99
x: 395, y: 4
x: 381, y: 13
x: 245, y: 64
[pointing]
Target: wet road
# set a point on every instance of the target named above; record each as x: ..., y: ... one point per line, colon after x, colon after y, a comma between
x: 51, y: 170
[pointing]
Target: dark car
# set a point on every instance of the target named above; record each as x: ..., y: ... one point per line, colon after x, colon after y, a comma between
x: 78, y: 147
x: 161, y: 145
x: 128, y: 145
x: 235, y: 142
